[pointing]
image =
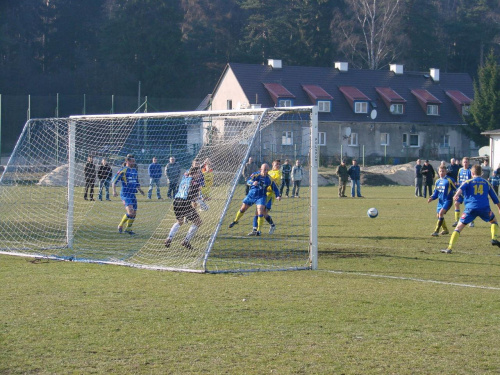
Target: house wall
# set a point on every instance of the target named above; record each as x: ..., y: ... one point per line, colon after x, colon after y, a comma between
x: 229, y: 89
x: 495, y: 150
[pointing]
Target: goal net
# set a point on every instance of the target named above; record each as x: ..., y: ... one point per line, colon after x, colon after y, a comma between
x: 51, y: 207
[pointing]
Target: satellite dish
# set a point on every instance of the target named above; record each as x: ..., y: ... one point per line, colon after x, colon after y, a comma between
x: 392, y: 108
x: 484, y: 151
x: 347, y: 132
x: 373, y: 114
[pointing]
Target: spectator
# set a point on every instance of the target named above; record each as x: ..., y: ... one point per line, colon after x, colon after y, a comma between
x: 90, y: 175
x: 486, y: 170
x: 286, y: 170
x: 428, y: 175
x: 104, y: 174
x: 343, y: 176
x: 173, y: 172
x: 297, y: 175
x: 248, y: 169
x: 418, y: 178
x: 355, y: 174
x: 154, y: 171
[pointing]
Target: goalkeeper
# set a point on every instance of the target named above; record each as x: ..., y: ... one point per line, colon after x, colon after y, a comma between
x: 129, y: 179
x: 185, y: 206
x: 258, y: 182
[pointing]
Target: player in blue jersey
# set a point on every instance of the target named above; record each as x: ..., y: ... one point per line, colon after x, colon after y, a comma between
x: 475, y: 194
x: 129, y: 179
x: 444, y: 191
x: 185, y: 203
x: 258, y: 182
x: 464, y: 174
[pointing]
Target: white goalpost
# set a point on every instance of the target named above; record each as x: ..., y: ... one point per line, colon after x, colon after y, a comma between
x: 43, y: 212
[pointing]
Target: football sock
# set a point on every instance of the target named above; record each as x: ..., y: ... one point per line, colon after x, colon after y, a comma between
x: 191, y: 232
x: 457, y: 215
x: 260, y: 221
x: 239, y: 214
x: 255, y: 223
x: 439, y: 224
x: 269, y: 219
x: 130, y: 221
x: 453, y: 239
x: 494, y: 231
x: 174, y: 230
x: 443, y: 225
x: 124, y: 220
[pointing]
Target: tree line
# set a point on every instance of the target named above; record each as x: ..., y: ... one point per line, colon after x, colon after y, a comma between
x: 179, y: 48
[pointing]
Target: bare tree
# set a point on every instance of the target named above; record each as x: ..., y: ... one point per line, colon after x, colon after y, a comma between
x: 369, y: 31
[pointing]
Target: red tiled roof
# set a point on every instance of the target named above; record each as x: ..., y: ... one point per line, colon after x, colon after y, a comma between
x: 458, y: 97
x: 352, y: 93
x: 278, y: 91
x: 389, y: 95
x: 425, y: 97
x: 315, y: 93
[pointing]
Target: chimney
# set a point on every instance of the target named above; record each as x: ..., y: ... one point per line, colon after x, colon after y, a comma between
x: 396, y: 68
x: 342, y: 66
x: 434, y: 74
x: 275, y: 64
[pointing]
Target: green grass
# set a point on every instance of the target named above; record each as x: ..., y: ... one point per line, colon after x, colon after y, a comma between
x: 384, y: 301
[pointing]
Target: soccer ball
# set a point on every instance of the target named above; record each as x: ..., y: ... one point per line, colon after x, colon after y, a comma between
x: 372, y: 213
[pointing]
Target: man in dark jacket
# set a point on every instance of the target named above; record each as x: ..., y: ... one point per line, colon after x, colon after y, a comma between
x: 173, y: 172
x: 248, y: 169
x: 104, y: 174
x: 418, y: 178
x: 286, y: 170
x: 90, y: 174
x: 355, y: 173
x: 428, y: 175
x: 343, y: 176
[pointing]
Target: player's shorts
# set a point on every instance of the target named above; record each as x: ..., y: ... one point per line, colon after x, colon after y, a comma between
x: 130, y: 201
x: 250, y: 201
x: 446, y: 205
x: 460, y: 199
x: 269, y: 202
x: 469, y: 215
x: 184, y: 209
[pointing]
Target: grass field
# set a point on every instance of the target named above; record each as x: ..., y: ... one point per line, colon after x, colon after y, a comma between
x: 384, y: 301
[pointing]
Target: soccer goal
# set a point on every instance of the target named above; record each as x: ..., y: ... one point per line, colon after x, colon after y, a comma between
x: 43, y: 212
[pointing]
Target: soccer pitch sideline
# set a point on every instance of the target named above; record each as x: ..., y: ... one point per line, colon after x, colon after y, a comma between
x: 385, y: 301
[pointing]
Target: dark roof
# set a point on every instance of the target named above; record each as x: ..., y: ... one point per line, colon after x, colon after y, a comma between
x: 277, y: 91
x: 252, y: 78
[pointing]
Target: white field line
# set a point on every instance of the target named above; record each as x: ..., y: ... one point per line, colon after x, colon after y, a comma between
x: 412, y: 279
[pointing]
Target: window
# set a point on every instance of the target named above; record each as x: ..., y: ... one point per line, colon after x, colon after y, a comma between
x: 353, y: 139
x: 284, y: 103
x: 396, y: 109
x: 361, y: 107
x: 322, y: 138
x: 229, y: 104
x: 432, y: 109
x: 446, y: 141
x: 287, y: 138
x: 411, y: 140
x: 465, y: 109
x: 384, y: 139
x: 324, y: 106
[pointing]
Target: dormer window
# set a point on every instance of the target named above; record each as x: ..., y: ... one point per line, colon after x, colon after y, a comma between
x: 429, y: 103
x: 394, y: 102
x: 361, y: 107
x: 324, y: 106
x: 460, y: 101
x: 284, y: 103
x: 280, y: 95
x: 318, y: 96
x: 432, y: 109
x: 356, y: 99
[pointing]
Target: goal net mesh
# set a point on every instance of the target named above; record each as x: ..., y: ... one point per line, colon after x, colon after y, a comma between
x: 43, y: 212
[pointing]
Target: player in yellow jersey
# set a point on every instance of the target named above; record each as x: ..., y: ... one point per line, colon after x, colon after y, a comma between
x: 275, y: 175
